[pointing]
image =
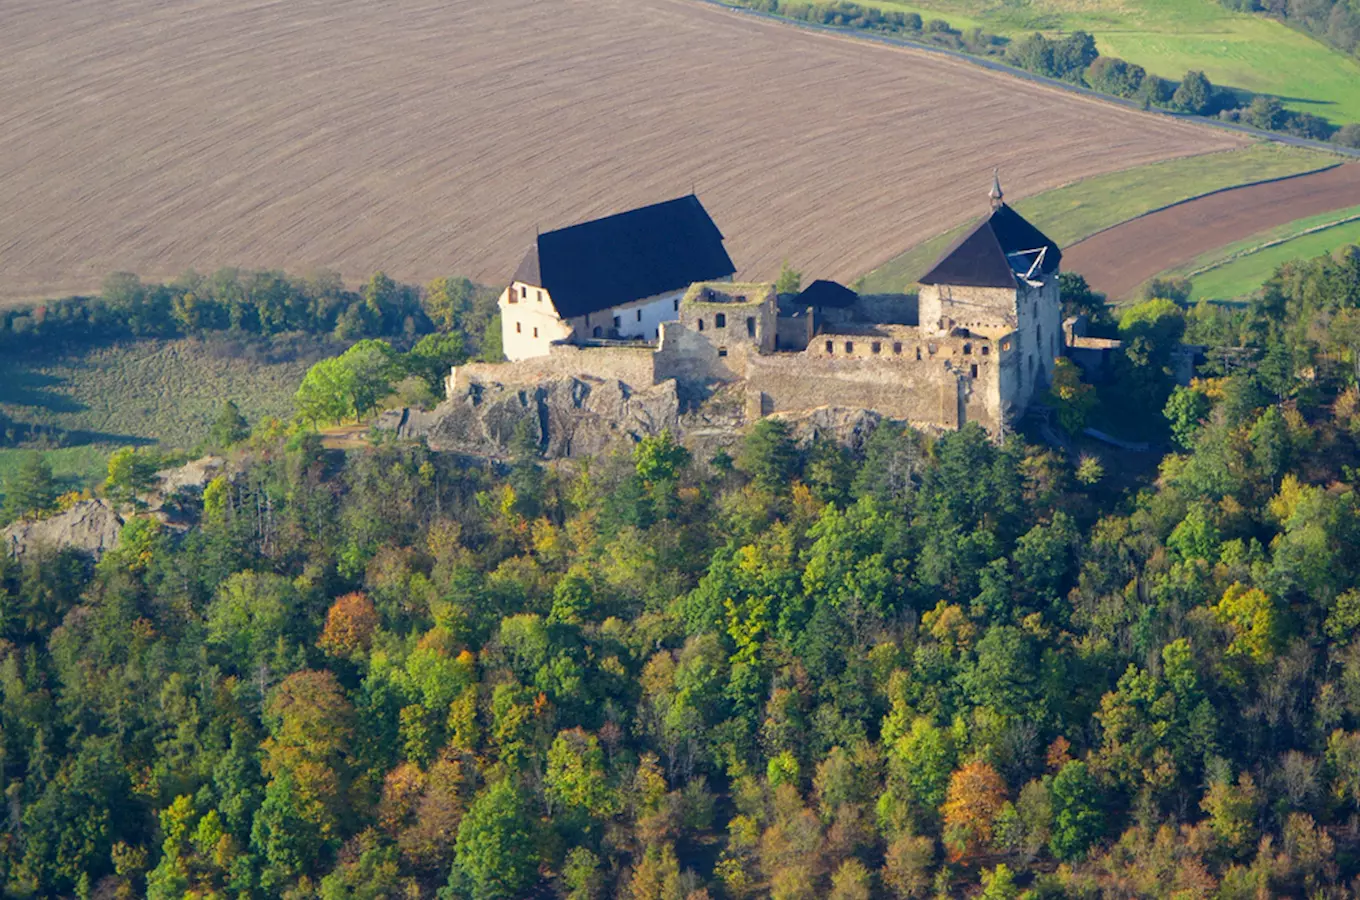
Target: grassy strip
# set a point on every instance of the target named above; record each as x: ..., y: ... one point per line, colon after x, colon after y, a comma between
x: 1076, y: 211
x: 1244, y: 274
x: 1170, y: 37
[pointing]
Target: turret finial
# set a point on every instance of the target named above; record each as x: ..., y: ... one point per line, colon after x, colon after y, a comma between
x: 998, y: 198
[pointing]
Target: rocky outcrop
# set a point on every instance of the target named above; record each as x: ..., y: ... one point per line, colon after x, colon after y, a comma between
x: 569, y: 417
x: 90, y: 525
x: 574, y: 417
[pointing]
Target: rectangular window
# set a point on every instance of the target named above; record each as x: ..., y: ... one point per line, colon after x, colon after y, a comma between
x: 540, y: 296
x: 518, y: 329
x: 675, y: 304
x: 897, y: 348
x: 974, y: 367
x: 618, y: 323
x: 830, y: 347
x: 535, y: 332
x: 876, y: 347
x: 849, y: 346
x: 722, y: 351
x: 523, y: 292
x: 639, y: 315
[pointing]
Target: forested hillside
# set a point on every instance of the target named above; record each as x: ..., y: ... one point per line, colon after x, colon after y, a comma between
x: 936, y: 667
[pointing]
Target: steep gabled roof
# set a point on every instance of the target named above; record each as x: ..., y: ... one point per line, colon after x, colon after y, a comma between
x: 827, y: 295
x: 628, y: 256
x: 1001, y: 247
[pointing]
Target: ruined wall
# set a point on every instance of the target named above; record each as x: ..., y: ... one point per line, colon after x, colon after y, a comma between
x: 892, y: 309
x: 634, y: 366
x: 793, y: 333
x: 934, y: 380
x: 945, y: 306
x: 689, y: 355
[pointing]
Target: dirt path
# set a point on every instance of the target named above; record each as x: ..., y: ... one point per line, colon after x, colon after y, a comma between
x: 432, y: 137
x: 1120, y: 259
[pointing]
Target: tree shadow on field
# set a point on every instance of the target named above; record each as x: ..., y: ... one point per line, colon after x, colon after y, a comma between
x: 81, y: 437
x: 20, y: 386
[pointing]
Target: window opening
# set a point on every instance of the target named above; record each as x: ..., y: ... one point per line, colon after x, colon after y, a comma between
x: 750, y: 326
x: 720, y: 321
x: 830, y: 347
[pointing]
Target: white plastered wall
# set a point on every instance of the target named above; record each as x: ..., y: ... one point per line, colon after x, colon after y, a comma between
x: 529, y: 322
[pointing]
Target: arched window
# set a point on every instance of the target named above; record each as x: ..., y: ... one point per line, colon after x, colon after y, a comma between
x: 720, y: 321
x: 597, y: 332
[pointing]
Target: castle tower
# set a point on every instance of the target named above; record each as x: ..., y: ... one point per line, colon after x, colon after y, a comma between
x: 1001, y: 280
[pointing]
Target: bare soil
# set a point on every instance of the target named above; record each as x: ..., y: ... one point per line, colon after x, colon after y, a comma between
x: 1121, y: 259
x: 432, y: 137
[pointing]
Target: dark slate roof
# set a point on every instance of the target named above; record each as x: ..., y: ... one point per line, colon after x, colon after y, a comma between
x: 1002, y: 246
x: 625, y: 257
x: 827, y: 295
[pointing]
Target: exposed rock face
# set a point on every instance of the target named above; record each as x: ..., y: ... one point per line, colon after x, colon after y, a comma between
x: 192, y: 475
x: 568, y: 416
x: 90, y: 525
x: 573, y: 417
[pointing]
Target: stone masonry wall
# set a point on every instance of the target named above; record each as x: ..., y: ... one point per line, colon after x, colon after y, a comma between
x: 634, y: 366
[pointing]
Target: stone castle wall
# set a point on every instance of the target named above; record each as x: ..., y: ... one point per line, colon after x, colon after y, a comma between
x: 633, y: 365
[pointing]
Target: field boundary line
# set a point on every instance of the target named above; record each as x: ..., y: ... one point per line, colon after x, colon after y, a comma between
x: 1007, y: 69
x: 1251, y: 251
x: 1214, y: 192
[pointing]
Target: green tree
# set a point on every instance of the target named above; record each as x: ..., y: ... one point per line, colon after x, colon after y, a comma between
x: 433, y: 356
x: 1195, y: 94
x: 230, y: 428
x: 769, y: 455
x: 447, y: 300
x: 494, y: 856
x: 326, y: 392
x: 789, y: 280
x: 129, y: 473
x: 1078, y: 820
x: 29, y: 488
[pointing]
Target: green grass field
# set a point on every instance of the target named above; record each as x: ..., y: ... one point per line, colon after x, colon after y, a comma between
x: 1077, y: 211
x: 1242, y: 276
x: 166, y: 392
x: 1169, y: 37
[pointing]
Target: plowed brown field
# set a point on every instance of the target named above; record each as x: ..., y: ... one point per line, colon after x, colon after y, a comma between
x: 1119, y: 260
x: 429, y: 137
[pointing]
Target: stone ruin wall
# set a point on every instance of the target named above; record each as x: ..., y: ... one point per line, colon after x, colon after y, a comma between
x: 633, y: 365
x: 940, y: 390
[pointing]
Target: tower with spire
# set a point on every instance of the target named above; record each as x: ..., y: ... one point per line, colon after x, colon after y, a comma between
x: 1000, y: 279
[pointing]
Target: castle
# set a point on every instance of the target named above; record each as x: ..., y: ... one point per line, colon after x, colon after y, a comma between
x: 646, y: 295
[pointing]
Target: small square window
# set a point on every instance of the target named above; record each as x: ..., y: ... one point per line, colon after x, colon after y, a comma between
x: 986, y: 351
x: 722, y: 351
